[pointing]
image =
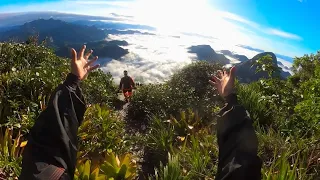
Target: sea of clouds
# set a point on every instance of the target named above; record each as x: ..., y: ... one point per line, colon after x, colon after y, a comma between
x: 154, y: 58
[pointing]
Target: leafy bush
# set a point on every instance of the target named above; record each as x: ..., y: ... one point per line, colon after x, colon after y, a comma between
x: 187, y: 123
x: 108, y: 167
x: 185, y: 137
x: 171, y: 171
x: 159, y: 141
x: 194, y: 77
x: 102, y: 129
x: 288, y: 155
x: 28, y: 76
x: 198, y: 159
x: 150, y: 100
x: 188, y: 88
x: 119, y: 167
x: 281, y: 169
x: 99, y: 88
x: 88, y: 171
x: 252, y: 99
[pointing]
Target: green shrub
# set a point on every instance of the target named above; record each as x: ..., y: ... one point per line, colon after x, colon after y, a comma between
x: 119, y: 168
x: 149, y: 100
x: 110, y: 166
x: 197, y: 159
x: 281, y: 169
x: 185, y: 137
x: 171, y: 171
x: 159, y: 141
x: 253, y: 100
x: 287, y: 156
x: 11, y: 149
x: 87, y: 170
x: 101, y: 130
x: 194, y: 77
x: 28, y: 76
x: 99, y: 88
x: 188, y: 123
x: 188, y: 88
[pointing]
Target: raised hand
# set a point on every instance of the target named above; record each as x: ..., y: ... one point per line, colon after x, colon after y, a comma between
x: 224, y: 82
x: 80, y: 65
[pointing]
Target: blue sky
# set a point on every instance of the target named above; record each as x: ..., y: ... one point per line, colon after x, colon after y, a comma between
x: 288, y: 27
x: 300, y: 17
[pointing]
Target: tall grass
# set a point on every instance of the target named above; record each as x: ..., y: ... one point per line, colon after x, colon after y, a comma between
x: 171, y: 171
x: 251, y: 98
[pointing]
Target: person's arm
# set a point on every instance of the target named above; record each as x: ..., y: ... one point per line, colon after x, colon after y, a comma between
x: 52, y: 144
x: 132, y: 83
x: 237, y: 140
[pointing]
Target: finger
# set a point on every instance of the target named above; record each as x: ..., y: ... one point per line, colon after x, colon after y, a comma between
x: 225, y: 72
x: 92, y: 61
x: 74, y: 55
x: 213, y: 83
x: 81, y: 54
x: 220, y: 74
x: 93, y: 67
x: 216, y: 79
x: 86, y: 57
x: 232, y: 72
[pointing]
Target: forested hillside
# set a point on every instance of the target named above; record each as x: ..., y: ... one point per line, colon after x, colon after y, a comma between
x: 61, y: 36
x: 168, y: 131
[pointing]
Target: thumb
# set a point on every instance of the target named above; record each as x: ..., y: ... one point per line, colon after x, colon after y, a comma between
x: 73, y: 55
x: 232, y: 72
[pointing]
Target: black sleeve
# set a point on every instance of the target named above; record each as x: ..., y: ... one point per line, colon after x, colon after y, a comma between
x: 238, y: 144
x: 52, y: 141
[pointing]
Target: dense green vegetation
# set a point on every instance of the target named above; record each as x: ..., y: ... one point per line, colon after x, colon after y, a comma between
x: 169, y: 130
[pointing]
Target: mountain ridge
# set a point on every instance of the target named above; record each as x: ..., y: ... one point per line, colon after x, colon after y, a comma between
x: 205, y: 52
x: 246, y: 69
x: 61, y: 36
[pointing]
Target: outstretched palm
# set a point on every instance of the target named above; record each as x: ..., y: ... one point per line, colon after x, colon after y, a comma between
x: 80, y: 64
x: 224, y: 82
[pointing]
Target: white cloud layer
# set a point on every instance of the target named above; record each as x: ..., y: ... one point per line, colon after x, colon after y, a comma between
x: 154, y: 58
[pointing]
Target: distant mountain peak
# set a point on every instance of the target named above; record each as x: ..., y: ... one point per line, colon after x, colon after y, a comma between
x: 260, y: 55
x: 246, y: 71
x: 241, y: 58
x: 205, y: 52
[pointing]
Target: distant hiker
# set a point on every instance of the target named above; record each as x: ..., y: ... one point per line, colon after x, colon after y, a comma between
x: 238, y: 143
x: 52, y: 146
x: 126, y: 85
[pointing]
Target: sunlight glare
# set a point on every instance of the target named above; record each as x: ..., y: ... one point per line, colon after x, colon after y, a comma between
x: 195, y: 16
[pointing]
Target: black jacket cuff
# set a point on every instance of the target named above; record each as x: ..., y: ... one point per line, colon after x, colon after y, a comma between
x: 231, y: 99
x: 72, y: 81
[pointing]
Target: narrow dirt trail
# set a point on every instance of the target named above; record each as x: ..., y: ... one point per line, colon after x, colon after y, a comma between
x: 133, y: 136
